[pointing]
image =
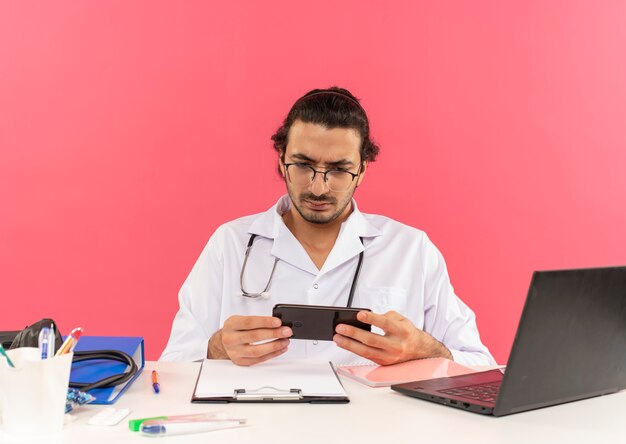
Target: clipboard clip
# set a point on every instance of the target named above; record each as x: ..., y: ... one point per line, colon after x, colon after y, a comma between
x: 268, y: 393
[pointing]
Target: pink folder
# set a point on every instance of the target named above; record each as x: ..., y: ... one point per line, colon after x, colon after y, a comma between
x: 375, y: 375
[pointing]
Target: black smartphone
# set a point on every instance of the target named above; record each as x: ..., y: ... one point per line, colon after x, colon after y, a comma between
x: 317, y: 321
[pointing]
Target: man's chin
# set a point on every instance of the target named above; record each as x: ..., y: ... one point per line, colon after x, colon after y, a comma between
x: 332, y: 211
x: 318, y: 218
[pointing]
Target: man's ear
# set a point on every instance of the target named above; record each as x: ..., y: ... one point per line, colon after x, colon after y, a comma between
x: 281, y: 164
x: 361, y: 173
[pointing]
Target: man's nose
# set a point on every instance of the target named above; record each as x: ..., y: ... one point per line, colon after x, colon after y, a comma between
x: 319, y: 185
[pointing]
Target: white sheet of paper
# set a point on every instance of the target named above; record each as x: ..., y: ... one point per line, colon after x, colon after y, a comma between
x: 220, y: 378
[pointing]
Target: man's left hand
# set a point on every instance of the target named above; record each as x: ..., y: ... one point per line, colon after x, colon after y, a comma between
x: 401, y: 342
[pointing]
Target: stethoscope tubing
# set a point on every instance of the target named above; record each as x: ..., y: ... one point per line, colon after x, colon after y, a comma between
x: 265, y: 293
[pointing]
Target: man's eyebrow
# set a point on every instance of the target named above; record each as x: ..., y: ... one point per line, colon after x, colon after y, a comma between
x: 337, y: 163
x: 341, y: 163
x: 298, y: 156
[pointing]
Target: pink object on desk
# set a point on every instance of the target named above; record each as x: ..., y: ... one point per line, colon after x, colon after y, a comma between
x: 375, y: 375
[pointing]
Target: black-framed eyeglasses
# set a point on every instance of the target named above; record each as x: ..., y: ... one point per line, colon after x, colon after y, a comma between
x: 303, y: 175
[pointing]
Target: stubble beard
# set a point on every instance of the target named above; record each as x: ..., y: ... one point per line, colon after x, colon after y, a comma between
x: 315, y: 217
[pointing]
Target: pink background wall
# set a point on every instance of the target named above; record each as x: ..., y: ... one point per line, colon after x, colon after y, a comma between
x: 130, y: 130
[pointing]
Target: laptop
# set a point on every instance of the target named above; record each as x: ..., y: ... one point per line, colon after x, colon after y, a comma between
x: 570, y: 345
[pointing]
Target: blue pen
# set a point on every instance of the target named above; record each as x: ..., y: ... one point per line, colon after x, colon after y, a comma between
x: 44, y: 342
x: 3, y: 353
x: 51, y: 342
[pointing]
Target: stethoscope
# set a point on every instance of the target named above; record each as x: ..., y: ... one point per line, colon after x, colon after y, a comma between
x: 265, y: 293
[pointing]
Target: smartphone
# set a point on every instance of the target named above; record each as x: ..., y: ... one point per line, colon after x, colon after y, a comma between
x: 317, y: 321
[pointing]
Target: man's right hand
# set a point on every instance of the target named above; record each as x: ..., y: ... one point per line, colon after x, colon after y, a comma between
x: 238, y: 340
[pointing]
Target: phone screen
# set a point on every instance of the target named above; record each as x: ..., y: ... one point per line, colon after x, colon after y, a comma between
x: 317, y: 321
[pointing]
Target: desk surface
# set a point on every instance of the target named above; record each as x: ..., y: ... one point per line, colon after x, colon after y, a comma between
x: 373, y: 414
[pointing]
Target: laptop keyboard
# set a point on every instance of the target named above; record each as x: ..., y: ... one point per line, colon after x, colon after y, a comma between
x: 482, y: 392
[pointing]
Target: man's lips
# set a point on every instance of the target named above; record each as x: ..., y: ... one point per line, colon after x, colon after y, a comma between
x: 317, y: 205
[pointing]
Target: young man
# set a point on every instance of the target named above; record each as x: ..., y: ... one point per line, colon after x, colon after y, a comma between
x: 306, y: 249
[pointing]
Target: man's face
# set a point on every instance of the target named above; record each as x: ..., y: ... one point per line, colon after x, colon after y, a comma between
x: 323, y: 149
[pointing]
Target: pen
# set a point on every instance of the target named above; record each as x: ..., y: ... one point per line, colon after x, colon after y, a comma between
x: 164, y: 427
x: 70, y: 342
x: 51, y: 342
x: 3, y: 353
x: 155, y: 382
x: 135, y: 424
x: 44, y: 342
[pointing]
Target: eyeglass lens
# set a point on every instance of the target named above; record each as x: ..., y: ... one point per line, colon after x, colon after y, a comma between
x: 303, y: 175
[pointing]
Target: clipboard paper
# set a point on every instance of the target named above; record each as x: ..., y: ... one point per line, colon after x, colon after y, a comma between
x: 270, y: 381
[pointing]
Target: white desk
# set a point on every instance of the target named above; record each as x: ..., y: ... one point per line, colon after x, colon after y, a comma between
x: 374, y: 415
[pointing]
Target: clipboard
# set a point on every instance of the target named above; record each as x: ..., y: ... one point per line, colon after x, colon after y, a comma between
x: 286, y: 381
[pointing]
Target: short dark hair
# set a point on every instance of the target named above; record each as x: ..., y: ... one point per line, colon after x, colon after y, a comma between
x: 333, y: 108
